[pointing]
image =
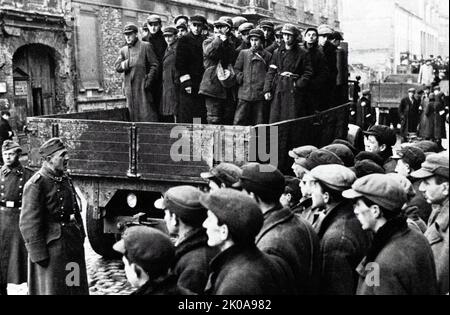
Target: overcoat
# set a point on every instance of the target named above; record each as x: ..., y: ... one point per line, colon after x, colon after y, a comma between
x: 171, y: 83
x: 13, y: 253
x: 140, y: 67
x: 409, y: 115
x: 51, y: 225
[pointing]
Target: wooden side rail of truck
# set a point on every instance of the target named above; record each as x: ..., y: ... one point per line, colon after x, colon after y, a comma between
x: 120, y: 168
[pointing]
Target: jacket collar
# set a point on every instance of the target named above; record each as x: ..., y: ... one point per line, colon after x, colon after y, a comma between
x: 17, y: 169
x: 338, y: 210
x: 156, y: 286
x: 195, y: 239
x: 48, y: 172
x: 227, y: 255
x: 443, y: 216
x: 272, y: 218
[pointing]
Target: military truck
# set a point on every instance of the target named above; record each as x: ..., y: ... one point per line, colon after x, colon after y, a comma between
x: 120, y: 167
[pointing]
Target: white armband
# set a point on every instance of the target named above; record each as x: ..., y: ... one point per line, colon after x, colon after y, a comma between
x: 185, y: 78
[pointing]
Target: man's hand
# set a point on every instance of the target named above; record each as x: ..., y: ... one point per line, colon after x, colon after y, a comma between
x: 44, y: 263
x: 188, y: 90
x: 268, y: 96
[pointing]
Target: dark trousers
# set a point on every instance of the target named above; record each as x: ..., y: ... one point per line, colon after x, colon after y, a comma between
x: 191, y: 106
x: 250, y: 113
x: 219, y: 111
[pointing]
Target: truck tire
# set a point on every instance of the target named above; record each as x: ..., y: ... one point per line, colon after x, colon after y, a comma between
x: 101, y: 243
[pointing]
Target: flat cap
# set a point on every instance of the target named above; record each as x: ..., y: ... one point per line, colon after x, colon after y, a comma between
x: 302, y: 152
x: 266, y: 24
x: 199, y: 19
x: 385, y: 134
x: 130, y: 28
x: 278, y: 29
x: 343, y: 152
x: 325, y: 29
x: 413, y: 156
x: 436, y: 88
x: 182, y: 25
x: 238, y: 21
x: 256, y: 33
x: 435, y: 164
x: 311, y: 29
x: 364, y: 155
x: 380, y: 189
x: 9, y: 145
x: 366, y: 92
x: 184, y: 201
x: 405, y: 183
x: 170, y: 31
x: 181, y: 19
x: 227, y: 173
x: 319, y: 157
x: 147, y: 247
x: 224, y: 21
x: 290, y: 29
x: 262, y: 180
x: 335, y: 176
x: 336, y: 36
x: 154, y: 18
x: 237, y: 210
x: 427, y: 146
x: 366, y: 167
x: 246, y: 27
x: 51, y: 146
x: 355, y: 151
x: 412, y: 90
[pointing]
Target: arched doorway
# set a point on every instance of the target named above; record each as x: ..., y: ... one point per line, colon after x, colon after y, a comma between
x: 34, y: 81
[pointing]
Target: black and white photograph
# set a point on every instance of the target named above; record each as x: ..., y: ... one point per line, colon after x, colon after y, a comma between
x: 205, y: 149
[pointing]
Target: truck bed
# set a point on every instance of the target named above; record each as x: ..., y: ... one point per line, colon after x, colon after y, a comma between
x: 106, y: 144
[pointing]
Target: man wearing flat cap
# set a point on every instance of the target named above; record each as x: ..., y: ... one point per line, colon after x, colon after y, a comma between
x: 240, y: 268
x: 251, y: 66
x: 168, y: 109
x: 288, y: 77
x: 289, y: 239
x: 343, y: 243
x: 409, y: 114
x: 181, y: 19
x: 269, y: 32
x: 435, y: 187
x: 278, y: 40
x: 224, y: 175
x: 403, y: 258
x: 365, y: 115
x: 182, y: 29
x: 220, y: 53
x: 330, y: 52
x: 156, y: 38
x: 317, y: 85
x: 189, y: 65
x: 51, y: 225
x: 138, y: 63
x: 148, y: 255
x: 244, y: 31
x: 13, y: 254
x: 184, y: 216
x: 380, y: 139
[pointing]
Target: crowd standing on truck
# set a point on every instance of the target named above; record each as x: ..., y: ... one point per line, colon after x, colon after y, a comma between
x: 253, y: 230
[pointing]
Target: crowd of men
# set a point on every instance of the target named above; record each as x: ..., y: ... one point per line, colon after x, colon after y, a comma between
x: 351, y: 220
x: 228, y: 72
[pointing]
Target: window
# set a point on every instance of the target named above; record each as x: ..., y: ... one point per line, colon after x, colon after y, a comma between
x: 88, y: 62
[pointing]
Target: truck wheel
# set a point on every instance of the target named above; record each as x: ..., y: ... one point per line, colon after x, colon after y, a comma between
x: 101, y: 242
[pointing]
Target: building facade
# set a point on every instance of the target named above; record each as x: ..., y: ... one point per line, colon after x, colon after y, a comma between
x: 37, y: 72
x: 384, y: 32
x: 58, y: 55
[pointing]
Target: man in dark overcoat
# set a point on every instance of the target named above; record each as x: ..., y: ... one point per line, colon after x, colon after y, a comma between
x: 287, y: 79
x: 156, y: 39
x: 140, y: 66
x: 13, y: 254
x: 365, y: 115
x: 6, y: 132
x: 184, y: 216
x: 330, y: 52
x: 317, y: 86
x: 409, y: 113
x: 189, y: 64
x: 52, y: 227
x: 287, y: 238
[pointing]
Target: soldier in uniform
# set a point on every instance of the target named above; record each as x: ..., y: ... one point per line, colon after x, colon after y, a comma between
x: 51, y: 225
x: 13, y: 254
